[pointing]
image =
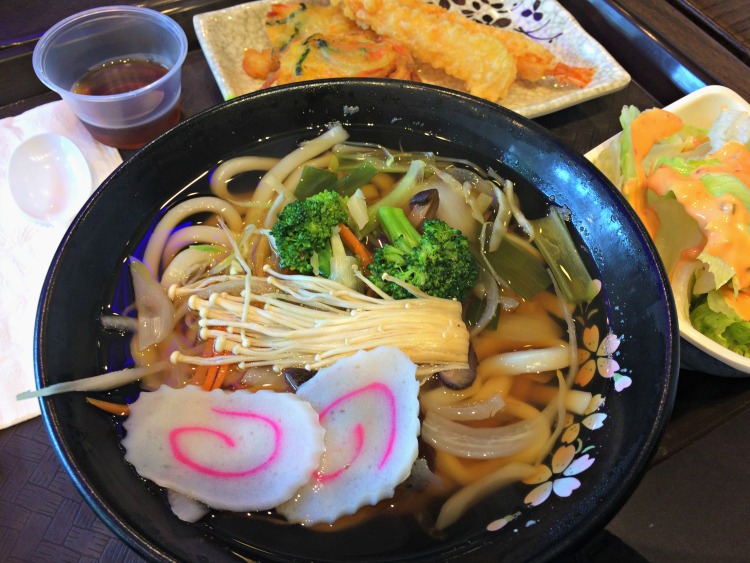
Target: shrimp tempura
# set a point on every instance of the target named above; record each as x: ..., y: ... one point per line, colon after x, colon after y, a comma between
x: 467, y: 50
x: 535, y: 61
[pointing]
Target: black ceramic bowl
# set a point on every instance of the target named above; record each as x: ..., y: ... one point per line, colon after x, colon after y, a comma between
x: 607, y: 449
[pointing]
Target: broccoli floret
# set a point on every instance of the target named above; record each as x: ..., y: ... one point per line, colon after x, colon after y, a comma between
x: 304, y: 227
x: 437, y: 262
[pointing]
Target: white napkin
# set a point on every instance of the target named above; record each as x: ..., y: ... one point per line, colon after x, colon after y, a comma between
x: 26, y: 250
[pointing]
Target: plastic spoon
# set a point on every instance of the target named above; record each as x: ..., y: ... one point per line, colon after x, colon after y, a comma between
x: 49, y: 178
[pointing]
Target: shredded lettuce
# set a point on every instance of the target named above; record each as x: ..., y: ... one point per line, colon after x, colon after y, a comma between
x: 715, y: 319
x: 724, y: 183
x: 683, y: 231
x: 682, y: 165
x: 714, y: 274
x: 731, y: 125
x: 684, y: 151
x: 627, y: 156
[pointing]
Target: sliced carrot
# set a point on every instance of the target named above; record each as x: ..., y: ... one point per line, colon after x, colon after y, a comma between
x: 208, y: 383
x: 200, y: 371
x: 215, y: 373
x: 112, y: 408
x: 219, y: 381
x: 355, y: 245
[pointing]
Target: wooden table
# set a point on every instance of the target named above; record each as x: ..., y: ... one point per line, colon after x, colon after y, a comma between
x: 691, y: 505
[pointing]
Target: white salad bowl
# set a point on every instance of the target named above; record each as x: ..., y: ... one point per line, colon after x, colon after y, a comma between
x: 697, y: 351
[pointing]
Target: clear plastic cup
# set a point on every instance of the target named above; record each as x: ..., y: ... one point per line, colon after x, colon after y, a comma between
x: 119, y: 69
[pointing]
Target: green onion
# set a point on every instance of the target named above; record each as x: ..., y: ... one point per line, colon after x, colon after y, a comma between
x: 409, y: 184
x: 355, y: 179
x: 350, y: 155
x: 313, y: 181
x: 520, y: 267
x: 207, y: 248
x: 554, y: 241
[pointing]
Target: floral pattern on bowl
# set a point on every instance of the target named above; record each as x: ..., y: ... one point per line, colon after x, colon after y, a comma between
x: 559, y: 475
x: 225, y: 34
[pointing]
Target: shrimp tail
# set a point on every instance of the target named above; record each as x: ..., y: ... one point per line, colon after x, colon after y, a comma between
x: 573, y: 75
x: 535, y: 61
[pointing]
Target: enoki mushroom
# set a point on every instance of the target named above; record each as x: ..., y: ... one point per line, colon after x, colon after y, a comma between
x: 311, y: 322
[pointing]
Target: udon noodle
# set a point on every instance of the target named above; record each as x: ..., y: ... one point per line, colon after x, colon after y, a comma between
x: 215, y: 298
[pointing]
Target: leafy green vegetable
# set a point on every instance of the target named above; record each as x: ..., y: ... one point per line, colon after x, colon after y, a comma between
x: 683, y: 231
x: 519, y: 267
x: 409, y: 184
x: 627, y: 156
x: 355, y: 179
x: 351, y: 155
x: 683, y: 165
x: 714, y: 274
x: 314, y: 180
x: 553, y: 240
x: 720, y: 184
x: 710, y: 317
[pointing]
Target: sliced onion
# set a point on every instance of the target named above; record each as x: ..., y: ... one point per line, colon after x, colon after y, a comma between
x: 342, y: 265
x: 185, y: 265
x: 156, y: 315
x: 263, y: 377
x: 469, y: 495
x: 119, y: 322
x: 482, y: 443
x: 492, y: 300
x: 233, y: 284
x: 103, y: 382
x: 453, y: 208
x: 502, y: 219
x: 342, y: 271
x: 515, y: 207
x: 357, y: 206
x: 471, y: 410
x: 534, y: 360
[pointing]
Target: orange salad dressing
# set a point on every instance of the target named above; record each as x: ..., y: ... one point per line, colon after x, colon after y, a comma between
x: 645, y: 131
x: 723, y: 220
x: 740, y: 302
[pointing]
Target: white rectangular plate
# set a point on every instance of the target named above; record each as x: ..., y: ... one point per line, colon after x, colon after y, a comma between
x: 225, y: 34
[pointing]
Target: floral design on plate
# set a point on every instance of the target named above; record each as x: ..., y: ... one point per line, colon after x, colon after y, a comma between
x: 536, y: 18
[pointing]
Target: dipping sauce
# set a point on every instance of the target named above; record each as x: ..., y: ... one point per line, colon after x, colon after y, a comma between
x: 118, y: 77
